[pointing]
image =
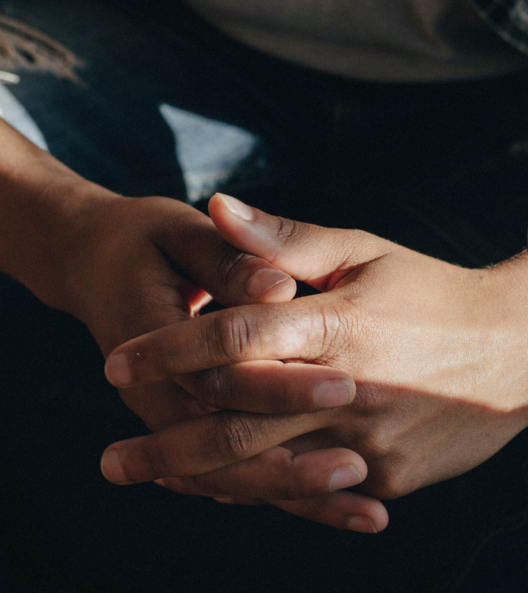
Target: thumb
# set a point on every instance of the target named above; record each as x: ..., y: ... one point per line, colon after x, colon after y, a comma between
x: 316, y: 255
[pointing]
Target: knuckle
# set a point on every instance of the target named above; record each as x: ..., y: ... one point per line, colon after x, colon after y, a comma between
x: 289, y: 230
x: 392, y: 474
x: 389, y: 487
x: 342, y: 328
x: 233, y: 334
x: 212, y: 387
x: 230, y: 261
x: 288, y: 481
x: 359, y: 236
x: 334, y: 327
x: 289, y: 485
x: 233, y: 437
x: 369, y: 398
x: 377, y: 444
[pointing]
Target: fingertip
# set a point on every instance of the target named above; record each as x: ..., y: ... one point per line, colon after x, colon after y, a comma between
x: 236, y: 207
x: 112, y: 469
x: 342, y: 509
x: 117, y: 370
x: 365, y: 514
x: 362, y: 524
x: 345, y: 476
x: 236, y: 223
x: 379, y: 518
x: 271, y: 286
x: 374, y: 520
x: 334, y: 393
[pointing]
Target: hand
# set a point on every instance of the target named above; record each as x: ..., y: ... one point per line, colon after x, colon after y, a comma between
x: 126, y: 285
x: 437, y: 353
x: 133, y: 274
x: 127, y: 266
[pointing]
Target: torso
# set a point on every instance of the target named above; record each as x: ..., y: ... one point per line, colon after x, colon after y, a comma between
x: 390, y: 40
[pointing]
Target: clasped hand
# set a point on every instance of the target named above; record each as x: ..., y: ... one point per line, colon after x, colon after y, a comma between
x: 436, y: 352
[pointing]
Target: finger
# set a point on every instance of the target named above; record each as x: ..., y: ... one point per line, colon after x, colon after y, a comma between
x: 191, y: 241
x: 239, y: 500
x: 157, y: 297
x: 163, y: 404
x: 270, y: 387
x: 316, y: 255
x: 303, y: 329
x: 343, y: 510
x: 279, y: 474
x: 202, y: 445
x: 183, y: 486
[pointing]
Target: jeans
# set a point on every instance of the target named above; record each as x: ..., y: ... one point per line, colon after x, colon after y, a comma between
x: 154, y: 101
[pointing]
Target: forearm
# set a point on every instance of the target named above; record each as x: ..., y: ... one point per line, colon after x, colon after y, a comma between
x: 42, y: 204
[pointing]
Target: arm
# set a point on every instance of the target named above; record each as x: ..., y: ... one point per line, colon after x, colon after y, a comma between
x: 49, y: 216
x: 41, y: 204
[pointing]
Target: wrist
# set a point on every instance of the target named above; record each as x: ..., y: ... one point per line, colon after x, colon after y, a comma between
x: 43, y: 248
x: 43, y: 209
x: 505, y: 289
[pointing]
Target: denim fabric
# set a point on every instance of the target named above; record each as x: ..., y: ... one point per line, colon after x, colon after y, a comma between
x: 163, y: 104
x: 15, y: 114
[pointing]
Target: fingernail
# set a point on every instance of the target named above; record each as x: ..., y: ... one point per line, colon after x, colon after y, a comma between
x: 111, y: 467
x: 333, y: 393
x: 264, y: 280
x: 237, y: 207
x: 362, y: 524
x: 225, y: 500
x: 344, y: 477
x: 117, y: 370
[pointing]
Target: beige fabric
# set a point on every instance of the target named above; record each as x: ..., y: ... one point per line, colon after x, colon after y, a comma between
x: 391, y: 40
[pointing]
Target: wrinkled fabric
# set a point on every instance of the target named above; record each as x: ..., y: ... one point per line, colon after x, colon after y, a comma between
x: 404, y: 40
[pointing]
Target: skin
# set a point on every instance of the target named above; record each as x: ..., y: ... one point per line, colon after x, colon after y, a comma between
x: 126, y: 267
x: 437, y: 353
x: 109, y: 260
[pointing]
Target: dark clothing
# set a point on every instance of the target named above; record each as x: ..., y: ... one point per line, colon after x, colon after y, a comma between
x: 441, y: 168
x: 509, y: 18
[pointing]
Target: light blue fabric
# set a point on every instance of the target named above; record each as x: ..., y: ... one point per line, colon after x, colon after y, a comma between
x: 13, y: 112
x: 210, y: 152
